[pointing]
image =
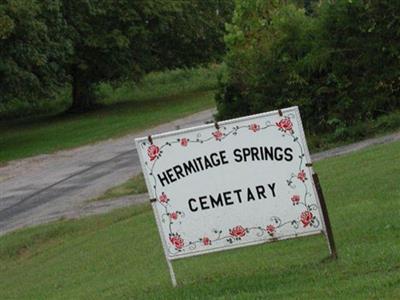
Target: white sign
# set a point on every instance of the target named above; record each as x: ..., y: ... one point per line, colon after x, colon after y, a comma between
x: 240, y: 182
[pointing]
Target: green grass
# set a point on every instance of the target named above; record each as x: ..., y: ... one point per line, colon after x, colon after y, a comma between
x: 119, y: 255
x: 152, y: 86
x: 29, y: 128
x: 161, y: 84
x: 382, y: 125
x: 23, y: 139
x: 134, y: 186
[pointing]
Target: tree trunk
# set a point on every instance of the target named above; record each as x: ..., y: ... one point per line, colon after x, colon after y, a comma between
x: 83, y: 98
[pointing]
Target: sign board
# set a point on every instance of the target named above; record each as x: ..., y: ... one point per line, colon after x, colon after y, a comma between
x: 237, y: 183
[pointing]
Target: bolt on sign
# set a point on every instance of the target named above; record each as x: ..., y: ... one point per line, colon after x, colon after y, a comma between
x: 238, y: 183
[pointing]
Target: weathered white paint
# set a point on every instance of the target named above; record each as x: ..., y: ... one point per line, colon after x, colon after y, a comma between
x: 189, y: 231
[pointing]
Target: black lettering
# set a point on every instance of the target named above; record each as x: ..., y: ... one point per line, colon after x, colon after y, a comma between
x: 227, y: 197
x: 278, y: 156
x: 178, y: 171
x: 269, y: 153
x: 237, y: 153
x: 250, y: 195
x: 272, y: 188
x: 262, y: 153
x: 171, y: 175
x: 190, y: 205
x: 214, y: 158
x: 237, y: 192
x: 261, y: 191
x: 254, y: 153
x: 246, y: 152
x: 197, y: 167
x: 222, y: 154
x: 188, y: 167
x: 203, y: 203
x: 207, y: 163
x: 201, y: 165
x: 163, y: 178
x: 216, y: 202
x: 288, y: 154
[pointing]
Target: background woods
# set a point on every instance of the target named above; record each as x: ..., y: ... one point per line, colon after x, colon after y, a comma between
x: 338, y: 60
x: 45, y: 44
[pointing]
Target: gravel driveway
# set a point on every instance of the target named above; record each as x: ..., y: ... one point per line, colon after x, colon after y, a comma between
x: 47, y: 187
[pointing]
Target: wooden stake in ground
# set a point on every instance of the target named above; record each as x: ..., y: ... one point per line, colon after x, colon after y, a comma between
x: 324, y: 209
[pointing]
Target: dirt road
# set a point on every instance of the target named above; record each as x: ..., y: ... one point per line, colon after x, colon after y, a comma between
x: 45, y: 188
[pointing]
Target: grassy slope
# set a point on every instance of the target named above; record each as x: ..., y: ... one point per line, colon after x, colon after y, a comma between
x: 133, y: 186
x: 52, y: 134
x: 158, y: 98
x: 119, y: 255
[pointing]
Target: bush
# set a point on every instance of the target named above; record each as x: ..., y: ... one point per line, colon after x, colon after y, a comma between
x: 341, y: 65
x: 162, y: 84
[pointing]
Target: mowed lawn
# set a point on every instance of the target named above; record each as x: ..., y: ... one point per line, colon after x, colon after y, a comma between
x: 119, y: 255
x: 23, y: 139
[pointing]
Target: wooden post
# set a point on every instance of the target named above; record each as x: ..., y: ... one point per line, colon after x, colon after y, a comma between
x: 329, y: 233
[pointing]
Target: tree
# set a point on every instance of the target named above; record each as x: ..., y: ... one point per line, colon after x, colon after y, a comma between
x: 47, y: 43
x: 122, y: 39
x: 33, y: 49
x: 108, y: 39
x: 340, y: 65
x: 193, y: 35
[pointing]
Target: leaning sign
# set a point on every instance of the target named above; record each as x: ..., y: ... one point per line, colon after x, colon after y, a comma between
x: 241, y: 182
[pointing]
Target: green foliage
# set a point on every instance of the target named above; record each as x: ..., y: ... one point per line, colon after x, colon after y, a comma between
x: 192, y: 35
x: 19, y: 139
x: 33, y: 49
x: 111, y: 41
x: 341, y: 66
x: 153, y: 85
x: 159, y: 97
x: 162, y: 84
x: 44, y: 44
x: 382, y: 125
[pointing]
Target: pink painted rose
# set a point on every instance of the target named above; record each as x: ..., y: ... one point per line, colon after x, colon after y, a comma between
x: 270, y: 229
x: 285, y: 125
x: 306, y: 218
x: 302, y: 175
x: 254, y: 127
x: 237, y: 231
x: 218, y: 135
x: 184, y: 142
x: 173, y: 215
x: 152, y: 152
x: 206, y: 241
x: 163, y: 198
x: 177, y: 241
x: 295, y: 199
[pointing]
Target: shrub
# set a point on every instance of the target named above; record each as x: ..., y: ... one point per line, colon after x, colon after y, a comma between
x: 341, y: 65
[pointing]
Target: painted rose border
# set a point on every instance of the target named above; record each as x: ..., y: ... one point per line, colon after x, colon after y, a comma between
x: 307, y: 218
